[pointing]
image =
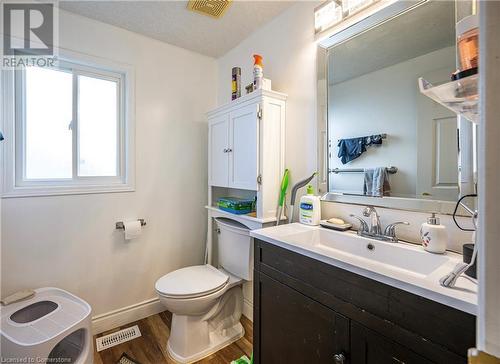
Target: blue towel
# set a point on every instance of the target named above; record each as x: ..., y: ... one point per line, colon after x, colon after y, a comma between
x: 350, y: 149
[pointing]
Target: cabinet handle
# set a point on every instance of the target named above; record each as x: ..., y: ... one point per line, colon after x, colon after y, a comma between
x: 339, y: 358
x: 229, y: 150
x: 225, y: 150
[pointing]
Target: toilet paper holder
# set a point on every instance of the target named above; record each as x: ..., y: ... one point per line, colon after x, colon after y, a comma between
x: 120, y: 226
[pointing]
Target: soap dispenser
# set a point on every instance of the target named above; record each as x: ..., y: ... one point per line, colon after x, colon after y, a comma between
x: 434, y: 236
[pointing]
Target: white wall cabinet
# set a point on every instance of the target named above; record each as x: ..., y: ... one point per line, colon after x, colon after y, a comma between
x: 246, y: 157
x: 234, y: 148
x: 247, y: 148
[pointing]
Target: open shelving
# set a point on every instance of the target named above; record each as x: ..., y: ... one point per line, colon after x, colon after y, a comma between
x: 460, y: 96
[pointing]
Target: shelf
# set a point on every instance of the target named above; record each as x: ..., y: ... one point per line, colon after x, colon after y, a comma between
x: 246, y: 98
x: 461, y: 96
x: 236, y: 217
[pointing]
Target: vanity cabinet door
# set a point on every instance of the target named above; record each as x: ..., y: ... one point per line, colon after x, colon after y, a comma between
x: 369, y: 347
x: 218, y: 149
x: 296, y: 329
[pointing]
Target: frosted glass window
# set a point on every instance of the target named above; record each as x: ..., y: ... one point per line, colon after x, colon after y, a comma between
x: 97, y: 127
x: 48, y: 109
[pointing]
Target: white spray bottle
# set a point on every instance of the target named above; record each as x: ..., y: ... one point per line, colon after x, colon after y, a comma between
x: 258, y: 72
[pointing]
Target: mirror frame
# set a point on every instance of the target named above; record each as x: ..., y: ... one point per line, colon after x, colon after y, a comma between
x: 399, y: 203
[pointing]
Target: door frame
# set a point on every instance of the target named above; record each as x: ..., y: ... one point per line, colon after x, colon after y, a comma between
x: 488, y: 320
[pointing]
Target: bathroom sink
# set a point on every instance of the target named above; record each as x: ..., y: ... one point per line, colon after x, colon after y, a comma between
x: 393, y: 256
x: 402, y: 265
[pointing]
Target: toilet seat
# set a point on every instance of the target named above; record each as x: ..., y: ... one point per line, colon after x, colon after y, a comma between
x: 191, y: 282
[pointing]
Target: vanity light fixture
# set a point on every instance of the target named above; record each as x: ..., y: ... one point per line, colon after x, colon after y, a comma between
x: 335, y: 21
x: 333, y: 12
x: 351, y: 7
x: 327, y: 15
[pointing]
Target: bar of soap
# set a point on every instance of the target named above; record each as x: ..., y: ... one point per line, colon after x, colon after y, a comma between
x: 336, y: 221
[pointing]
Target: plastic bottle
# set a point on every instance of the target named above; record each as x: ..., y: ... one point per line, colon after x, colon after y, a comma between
x: 235, y: 83
x: 310, y: 208
x: 258, y: 72
x: 468, y: 42
x: 434, y: 235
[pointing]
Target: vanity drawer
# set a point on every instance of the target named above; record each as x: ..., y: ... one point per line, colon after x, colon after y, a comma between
x: 439, y: 330
x: 342, y: 284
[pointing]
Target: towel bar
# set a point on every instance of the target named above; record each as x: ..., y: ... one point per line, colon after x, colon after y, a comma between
x: 390, y: 170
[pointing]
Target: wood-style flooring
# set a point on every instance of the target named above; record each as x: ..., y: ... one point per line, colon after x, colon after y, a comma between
x: 151, y: 347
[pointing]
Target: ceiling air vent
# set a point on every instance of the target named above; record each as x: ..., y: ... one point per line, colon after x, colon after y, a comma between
x: 213, y: 8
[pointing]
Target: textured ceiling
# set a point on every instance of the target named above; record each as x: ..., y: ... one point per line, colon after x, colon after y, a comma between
x: 425, y: 29
x: 171, y: 22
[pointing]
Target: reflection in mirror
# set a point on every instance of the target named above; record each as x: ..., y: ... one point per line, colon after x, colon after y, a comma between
x: 386, y: 139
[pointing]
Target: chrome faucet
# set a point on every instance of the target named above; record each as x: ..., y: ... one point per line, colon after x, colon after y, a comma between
x: 374, y: 230
x: 375, y: 227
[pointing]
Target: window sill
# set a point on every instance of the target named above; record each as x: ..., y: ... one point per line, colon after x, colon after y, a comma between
x: 67, y: 190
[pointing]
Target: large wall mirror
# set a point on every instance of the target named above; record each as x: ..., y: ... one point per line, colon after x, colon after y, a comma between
x: 381, y: 142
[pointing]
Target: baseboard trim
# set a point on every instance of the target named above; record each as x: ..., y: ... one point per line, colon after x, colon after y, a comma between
x: 138, y: 311
x: 248, y: 309
x: 125, y: 315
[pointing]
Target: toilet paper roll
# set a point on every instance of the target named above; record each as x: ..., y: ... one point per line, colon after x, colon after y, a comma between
x: 132, y: 229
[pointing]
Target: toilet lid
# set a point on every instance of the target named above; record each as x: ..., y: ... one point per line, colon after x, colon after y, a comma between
x: 189, y: 282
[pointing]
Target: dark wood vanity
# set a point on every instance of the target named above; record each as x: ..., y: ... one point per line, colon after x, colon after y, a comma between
x: 307, y: 311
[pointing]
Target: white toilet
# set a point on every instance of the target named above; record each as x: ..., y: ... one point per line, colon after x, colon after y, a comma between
x: 207, y: 302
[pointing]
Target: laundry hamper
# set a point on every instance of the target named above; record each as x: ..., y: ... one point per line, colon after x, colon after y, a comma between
x: 53, y: 326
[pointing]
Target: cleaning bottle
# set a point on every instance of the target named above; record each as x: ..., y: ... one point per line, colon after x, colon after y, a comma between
x: 310, y: 208
x: 235, y: 83
x: 258, y: 73
x: 434, y: 235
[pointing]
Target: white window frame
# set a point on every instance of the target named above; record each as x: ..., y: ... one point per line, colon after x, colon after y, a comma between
x: 14, y: 180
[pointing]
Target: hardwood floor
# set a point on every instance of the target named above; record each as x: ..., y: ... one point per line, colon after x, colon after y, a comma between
x: 151, y: 347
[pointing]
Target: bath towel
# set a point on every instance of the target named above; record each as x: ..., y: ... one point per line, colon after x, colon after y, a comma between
x: 377, y: 182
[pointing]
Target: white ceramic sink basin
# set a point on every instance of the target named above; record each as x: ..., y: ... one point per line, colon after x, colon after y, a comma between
x: 395, y: 256
x: 402, y: 265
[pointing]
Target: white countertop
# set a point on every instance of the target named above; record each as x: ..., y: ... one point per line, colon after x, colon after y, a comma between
x: 348, y: 251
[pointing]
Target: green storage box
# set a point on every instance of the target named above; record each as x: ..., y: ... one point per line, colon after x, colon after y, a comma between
x: 236, y: 205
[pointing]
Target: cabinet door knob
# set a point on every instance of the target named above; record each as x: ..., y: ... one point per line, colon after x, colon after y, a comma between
x: 225, y: 150
x: 229, y: 150
x: 339, y: 358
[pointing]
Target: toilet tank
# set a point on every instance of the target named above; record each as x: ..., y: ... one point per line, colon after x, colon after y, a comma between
x: 235, y: 248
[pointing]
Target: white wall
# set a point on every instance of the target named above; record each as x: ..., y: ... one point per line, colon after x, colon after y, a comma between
x: 384, y: 101
x: 289, y: 51
x: 287, y: 45
x: 70, y: 241
x: 289, y: 58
